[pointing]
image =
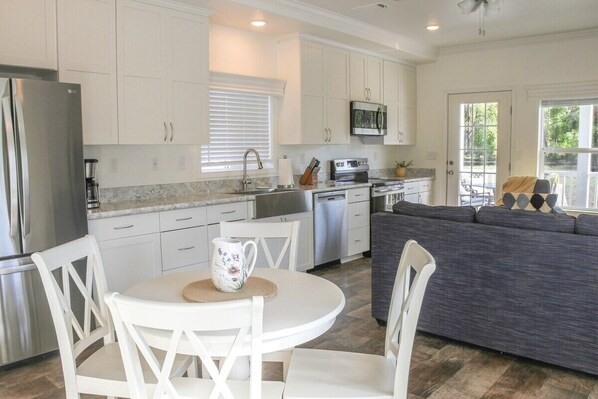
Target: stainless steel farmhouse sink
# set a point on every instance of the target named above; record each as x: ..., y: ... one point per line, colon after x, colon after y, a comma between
x: 279, y: 201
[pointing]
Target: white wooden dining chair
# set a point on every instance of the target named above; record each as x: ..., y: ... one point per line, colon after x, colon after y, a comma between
x: 195, y: 326
x: 103, y: 372
x: 317, y: 373
x: 267, y: 237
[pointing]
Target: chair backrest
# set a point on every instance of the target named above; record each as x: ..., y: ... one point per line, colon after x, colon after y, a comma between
x: 85, y: 254
x: 187, y: 321
x: 268, y: 235
x: 405, y: 305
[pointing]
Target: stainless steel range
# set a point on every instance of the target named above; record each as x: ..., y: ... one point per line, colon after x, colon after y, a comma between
x: 385, y: 192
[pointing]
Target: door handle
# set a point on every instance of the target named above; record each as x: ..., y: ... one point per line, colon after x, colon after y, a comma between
x: 171, y: 131
x: 165, y: 132
x: 12, y: 169
x: 24, y: 167
x: 450, y: 172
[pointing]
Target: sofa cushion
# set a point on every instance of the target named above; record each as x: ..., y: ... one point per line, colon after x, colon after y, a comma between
x: 587, y: 225
x: 530, y: 201
x: 465, y: 214
x: 518, y: 218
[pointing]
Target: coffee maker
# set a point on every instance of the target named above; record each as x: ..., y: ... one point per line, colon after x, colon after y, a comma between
x: 91, y: 185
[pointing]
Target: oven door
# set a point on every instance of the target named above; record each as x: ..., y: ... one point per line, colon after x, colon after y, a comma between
x: 384, y: 202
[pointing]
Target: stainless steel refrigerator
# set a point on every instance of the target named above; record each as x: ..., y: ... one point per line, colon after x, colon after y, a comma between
x: 42, y: 203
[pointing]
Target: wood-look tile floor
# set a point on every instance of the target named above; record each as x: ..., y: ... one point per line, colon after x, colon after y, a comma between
x: 440, y: 368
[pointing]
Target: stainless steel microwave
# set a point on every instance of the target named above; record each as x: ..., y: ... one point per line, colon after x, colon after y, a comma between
x: 368, y: 119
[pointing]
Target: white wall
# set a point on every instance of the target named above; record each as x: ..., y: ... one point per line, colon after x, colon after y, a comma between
x: 231, y: 51
x: 513, y: 66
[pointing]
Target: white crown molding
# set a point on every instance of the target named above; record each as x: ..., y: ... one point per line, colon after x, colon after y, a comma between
x: 336, y: 22
x: 179, y: 6
x: 249, y: 84
x: 319, y: 40
x: 524, y: 41
x: 562, y: 91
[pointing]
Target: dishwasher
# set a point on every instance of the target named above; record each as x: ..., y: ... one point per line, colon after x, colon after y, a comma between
x: 330, y: 226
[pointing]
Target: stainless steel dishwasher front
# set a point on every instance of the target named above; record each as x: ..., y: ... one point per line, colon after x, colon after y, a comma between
x: 330, y: 229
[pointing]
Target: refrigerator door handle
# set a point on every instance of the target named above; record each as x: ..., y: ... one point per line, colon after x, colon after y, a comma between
x: 24, y: 168
x: 12, y: 170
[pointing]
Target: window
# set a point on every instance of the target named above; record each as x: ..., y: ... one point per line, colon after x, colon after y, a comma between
x: 238, y: 121
x: 570, y: 150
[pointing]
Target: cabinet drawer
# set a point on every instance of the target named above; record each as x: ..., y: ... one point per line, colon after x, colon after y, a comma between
x: 188, y: 268
x: 182, y: 218
x: 227, y: 212
x: 425, y: 185
x: 358, y: 214
x: 358, y: 194
x: 184, y: 247
x: 413, y: 197
x: 359, y: 240
x: 412, y: 187
x: 124, y: 226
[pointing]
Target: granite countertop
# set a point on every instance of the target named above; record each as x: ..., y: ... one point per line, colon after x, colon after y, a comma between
x: 167, y: 203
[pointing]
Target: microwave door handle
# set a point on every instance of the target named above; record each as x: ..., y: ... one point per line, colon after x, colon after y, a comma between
x: 378, y: 120
x: 12, y: 169
x: 24, y: 168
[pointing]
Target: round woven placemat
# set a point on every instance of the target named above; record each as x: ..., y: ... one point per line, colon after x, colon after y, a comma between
x: 205, y: 291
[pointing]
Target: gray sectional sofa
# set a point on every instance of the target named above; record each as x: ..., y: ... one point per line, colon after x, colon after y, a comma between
x: 519, y: 282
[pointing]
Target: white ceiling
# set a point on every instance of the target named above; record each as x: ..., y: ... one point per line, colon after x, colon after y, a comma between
x: 400, y: 30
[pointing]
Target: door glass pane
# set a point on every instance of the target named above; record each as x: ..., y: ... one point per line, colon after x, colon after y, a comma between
x: 479, y: 130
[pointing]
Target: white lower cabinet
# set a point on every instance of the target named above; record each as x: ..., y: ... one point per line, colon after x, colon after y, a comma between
x: 130, y: 260
x: 305, y: 248
x: 184, y: 247
x: 419, y: 192
x: 358, y: 221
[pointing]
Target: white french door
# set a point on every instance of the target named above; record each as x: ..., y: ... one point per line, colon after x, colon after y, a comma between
x: 479, y: 147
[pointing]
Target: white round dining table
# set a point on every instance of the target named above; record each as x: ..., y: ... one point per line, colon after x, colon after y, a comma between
x: 304, y: 308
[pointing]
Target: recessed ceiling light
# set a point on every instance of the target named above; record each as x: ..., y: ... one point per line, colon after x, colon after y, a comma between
x: 258, y: 23
x: 432, y: 27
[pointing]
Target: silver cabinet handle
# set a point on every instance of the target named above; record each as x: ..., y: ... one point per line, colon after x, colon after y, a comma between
x: 325, y: 135
x: 365, y: 90
x: 359, y: 195
x: 171, y: 131
x: 123, y: 227
x: 357, y: 241
x: 227, y: 212
x: 359, y: 214
x: 24, y: 168
x: 330, y: 131
x: 165, y: 132
x: 187, y: 248
x: 183, y: 219
x: 12, y: 168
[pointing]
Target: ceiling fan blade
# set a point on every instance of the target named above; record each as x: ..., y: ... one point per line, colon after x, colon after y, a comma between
x: 469, y: 6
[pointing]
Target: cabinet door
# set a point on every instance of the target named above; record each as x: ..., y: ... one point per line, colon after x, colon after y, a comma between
x: 374, y: 79
x: 28, y: 32
x: 142, y: 92
x: 337, y: 94
x: 358, y: 77
x: 131, y: 260
x: 425, y: 198
x: 305, y: 249
x: 407, y: 125
x: 391, y: 82
x: 87, y: 44
x: 407, y: 86
x: 184, y: 247
x: 393, y: 137
x: 313, y: 118
x: 187, y: 58
x: 413, y: 197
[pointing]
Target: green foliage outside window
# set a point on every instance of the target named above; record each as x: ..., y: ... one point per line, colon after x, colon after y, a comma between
x: 480, y: 133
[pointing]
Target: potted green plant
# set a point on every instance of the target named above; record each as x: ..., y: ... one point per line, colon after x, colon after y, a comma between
x: 401, y: 170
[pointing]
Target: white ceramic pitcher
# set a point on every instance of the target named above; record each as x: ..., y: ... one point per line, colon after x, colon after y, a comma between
x: 230, y: 268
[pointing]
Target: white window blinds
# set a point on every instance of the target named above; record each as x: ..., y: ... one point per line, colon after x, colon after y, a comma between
x: 238, y: 121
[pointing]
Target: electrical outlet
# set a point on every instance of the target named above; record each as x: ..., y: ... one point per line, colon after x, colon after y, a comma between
x: 113, y: 165
x: 182, y: 162
x: 155, y: 164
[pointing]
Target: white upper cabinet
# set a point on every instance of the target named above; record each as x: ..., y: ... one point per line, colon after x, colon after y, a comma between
x: 87, y: 44
x: 28, y: 33
x: 366, y: 78
x: 315, y: 108
x: 162, y: 75
x: 400, y: 99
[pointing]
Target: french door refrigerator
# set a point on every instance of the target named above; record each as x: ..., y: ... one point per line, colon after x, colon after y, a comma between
x: 42, y: 203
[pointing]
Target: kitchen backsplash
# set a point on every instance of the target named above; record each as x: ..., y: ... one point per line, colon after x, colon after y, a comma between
x: 138, y: 193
